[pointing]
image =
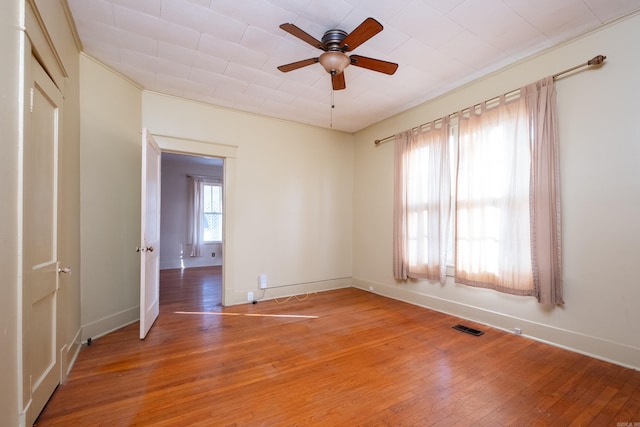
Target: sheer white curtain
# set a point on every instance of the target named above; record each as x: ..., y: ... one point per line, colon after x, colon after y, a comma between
x: 196, y: 218
x: 422, y: 203
x: 493, y: 246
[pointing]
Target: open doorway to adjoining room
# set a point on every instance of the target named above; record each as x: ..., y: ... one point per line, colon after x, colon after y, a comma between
x: 191, y: 256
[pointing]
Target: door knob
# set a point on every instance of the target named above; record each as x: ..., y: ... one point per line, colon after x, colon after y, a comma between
x: 65, y: 270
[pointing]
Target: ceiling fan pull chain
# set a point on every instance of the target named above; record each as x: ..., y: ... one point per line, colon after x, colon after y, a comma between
x: 333, y: 105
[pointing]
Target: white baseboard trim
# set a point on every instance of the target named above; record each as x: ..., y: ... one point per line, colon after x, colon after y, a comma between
x: 207, y: 263
x: 110, y: 323
x: 287, y: 291
x: 598, y: 348
x: 68, y: 355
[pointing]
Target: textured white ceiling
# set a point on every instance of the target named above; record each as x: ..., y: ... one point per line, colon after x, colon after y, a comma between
x: 225, y: 52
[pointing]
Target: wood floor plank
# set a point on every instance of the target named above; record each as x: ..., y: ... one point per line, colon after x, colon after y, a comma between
x: 629, y: 411
x: 365, y: 360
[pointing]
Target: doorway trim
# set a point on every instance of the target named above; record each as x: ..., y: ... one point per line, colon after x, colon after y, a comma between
x: 195, y: 147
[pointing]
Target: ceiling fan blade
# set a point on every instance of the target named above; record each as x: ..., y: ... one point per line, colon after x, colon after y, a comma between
x: 337, y: 80
x: 302, y: 35
x: 374, y: 64
x: 298, y: 64
x: 369, y: 28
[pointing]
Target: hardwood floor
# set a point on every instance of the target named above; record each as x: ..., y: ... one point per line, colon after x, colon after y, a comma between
x: 364, y: 360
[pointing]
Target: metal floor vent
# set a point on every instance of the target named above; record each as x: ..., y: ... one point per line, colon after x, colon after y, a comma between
x: 468, y: 330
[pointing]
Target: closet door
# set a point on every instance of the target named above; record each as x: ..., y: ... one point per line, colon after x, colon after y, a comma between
x: 41, y: 364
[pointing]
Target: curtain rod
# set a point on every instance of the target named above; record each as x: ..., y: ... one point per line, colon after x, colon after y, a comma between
x: 596, y: 60
x: 190, y: 175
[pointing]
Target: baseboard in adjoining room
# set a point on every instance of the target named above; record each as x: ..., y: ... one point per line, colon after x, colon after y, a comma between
x: 598, y: 348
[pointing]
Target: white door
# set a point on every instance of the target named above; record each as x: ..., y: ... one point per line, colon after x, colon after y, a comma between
x: 41, y: 371
x: 150, y: 229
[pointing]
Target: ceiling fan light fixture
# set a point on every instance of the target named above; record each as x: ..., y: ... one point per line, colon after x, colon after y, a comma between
x: 334, y: 61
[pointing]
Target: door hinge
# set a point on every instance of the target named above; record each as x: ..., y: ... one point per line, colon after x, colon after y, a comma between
x: 31, y: 100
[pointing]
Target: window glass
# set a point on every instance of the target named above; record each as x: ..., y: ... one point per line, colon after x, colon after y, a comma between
x: 212, y: 211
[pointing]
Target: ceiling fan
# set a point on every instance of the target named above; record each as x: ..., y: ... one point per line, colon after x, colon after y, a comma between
x: 335, y: 43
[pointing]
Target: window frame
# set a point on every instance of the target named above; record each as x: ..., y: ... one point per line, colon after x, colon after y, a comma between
x: 212, y: 183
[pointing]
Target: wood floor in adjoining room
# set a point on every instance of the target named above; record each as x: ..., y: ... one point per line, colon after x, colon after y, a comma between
x: 355, y: 359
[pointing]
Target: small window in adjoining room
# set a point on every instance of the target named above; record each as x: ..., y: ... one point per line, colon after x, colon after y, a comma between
x: 212, y: 212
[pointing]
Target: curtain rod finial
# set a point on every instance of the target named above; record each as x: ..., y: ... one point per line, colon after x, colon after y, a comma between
x: 596, y: 60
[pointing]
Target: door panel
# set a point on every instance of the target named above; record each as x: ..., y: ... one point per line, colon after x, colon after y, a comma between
x: 41, y: 373
x: 150, y: 230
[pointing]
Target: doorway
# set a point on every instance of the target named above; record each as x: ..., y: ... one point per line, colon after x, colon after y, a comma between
x: 186, y: 225
x: 227, y: 153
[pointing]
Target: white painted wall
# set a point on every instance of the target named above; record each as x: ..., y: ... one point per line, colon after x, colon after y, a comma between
x: 292, y: 191
x: 600, y: 170
x: 110, y: 155
x: 174, y: 248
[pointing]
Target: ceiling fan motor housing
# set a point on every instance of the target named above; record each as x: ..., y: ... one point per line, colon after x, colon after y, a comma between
x: 332, y: 39
x: 334, y: 60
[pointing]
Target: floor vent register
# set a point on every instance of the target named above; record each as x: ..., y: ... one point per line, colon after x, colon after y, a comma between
x: 468, y: 330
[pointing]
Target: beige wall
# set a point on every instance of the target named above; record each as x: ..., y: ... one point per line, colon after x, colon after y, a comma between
x: 289, y: 207
x: 110, y: 156
x: 292, y: 192
x: 600, y: 169
x: 9, y: 125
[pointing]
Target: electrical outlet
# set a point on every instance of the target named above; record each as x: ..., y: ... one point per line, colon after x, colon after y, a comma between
x: 370, y: 288
x: 250, y: 296
x: 262, y: 281
x: 517, y: 331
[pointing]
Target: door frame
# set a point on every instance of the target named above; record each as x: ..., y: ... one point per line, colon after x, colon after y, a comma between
x: 194, y: 147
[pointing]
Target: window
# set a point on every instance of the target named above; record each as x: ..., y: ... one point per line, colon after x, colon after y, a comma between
x: 204, y: 212
x: 493, y: 246
x: 422, y: 203
x: 212, y: 213
x: 483, y: 194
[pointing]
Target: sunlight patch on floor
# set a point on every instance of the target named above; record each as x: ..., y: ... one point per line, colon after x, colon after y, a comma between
x: 298, y: 316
